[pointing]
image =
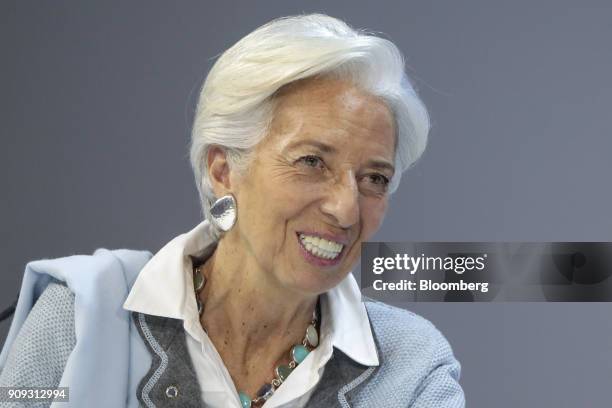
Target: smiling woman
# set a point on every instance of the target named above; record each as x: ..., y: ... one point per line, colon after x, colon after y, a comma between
x: 301, y: 133
x: 317, y: 177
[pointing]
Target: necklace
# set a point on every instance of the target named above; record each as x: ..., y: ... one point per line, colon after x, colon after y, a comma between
x: 297, y: 353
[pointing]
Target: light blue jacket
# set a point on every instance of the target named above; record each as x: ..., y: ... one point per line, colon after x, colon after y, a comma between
x: 122, y: 360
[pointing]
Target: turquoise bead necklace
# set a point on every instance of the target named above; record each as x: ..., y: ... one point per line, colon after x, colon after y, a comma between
x: 298, y: 352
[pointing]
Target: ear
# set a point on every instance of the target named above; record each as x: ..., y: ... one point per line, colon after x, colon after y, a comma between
x: 218, y: 170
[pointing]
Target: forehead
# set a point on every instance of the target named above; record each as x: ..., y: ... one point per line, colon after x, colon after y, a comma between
x: 334, y: 112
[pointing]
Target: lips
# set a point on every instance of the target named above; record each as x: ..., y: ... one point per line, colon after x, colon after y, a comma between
x: 321, y: 250
x: 321, y: 247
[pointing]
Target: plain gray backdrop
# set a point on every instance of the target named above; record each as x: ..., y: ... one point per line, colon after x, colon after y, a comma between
x: 96, y: 103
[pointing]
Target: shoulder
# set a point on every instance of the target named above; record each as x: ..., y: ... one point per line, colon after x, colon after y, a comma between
x: 98, y: 282
x: 57, y: 299
x: 45, y: 340
x: 52, y: 312
x: 415, y: 359
x: 103, y: 268
x: 389, y: 320
x: 406, y: 335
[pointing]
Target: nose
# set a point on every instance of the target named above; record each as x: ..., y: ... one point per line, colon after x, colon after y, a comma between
x: 342, y: 201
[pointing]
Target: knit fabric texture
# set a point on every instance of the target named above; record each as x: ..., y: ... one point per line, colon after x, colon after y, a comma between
x: 416, y: 364
x: 46, y: 339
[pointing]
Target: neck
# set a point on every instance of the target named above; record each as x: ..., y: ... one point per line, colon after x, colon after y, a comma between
x: 246, y: 310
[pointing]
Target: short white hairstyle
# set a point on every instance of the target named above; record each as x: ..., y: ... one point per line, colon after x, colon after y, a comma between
x: 237, y: 100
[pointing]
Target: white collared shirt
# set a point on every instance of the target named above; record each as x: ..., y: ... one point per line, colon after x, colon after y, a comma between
x: 164, y: 287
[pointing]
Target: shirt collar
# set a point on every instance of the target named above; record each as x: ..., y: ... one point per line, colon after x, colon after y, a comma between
x: 164, y: 287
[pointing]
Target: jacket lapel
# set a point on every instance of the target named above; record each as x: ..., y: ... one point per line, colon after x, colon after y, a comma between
x: 341, y: 377
x: 171, y: 381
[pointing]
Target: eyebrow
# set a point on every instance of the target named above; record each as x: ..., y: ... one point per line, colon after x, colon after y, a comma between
x: 381, y: 165
x: 325, y: 148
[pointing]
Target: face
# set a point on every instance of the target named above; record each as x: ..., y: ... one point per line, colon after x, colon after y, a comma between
x: 317, y: 185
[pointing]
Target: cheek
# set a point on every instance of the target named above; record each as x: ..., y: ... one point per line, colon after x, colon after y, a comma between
x: 372, y: 215
x: 291, y: 197
x: 268, y: 211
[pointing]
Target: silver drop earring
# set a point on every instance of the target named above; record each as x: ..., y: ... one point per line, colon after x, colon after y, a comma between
x: 223, y: 212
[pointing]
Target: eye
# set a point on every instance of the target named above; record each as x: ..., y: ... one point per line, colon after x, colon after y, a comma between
x: 374, y: 184
x: 312, y: 161
x: 379, y: 179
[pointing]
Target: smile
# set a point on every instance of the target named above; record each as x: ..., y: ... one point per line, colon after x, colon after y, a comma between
x: 321, y: 247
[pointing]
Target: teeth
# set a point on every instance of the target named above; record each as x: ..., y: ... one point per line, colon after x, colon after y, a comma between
x: 321, y: 247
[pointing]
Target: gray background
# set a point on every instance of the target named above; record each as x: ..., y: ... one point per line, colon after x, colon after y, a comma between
x: 96, y: 102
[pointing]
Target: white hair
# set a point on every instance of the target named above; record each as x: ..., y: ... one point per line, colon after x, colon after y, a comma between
x: 236, y: 103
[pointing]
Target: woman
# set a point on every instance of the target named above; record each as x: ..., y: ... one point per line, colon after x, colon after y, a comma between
x: 300, y: 136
